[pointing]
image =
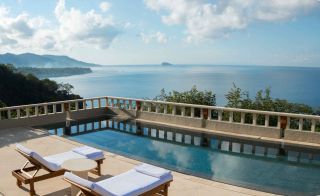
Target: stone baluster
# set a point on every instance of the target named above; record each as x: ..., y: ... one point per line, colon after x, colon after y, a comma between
x: 149, y: 107
x: 107, y: 101
x: 288, y: 122
x: 230, y: 116
x: 219, y: 115
x: 54, y: 108
x: 300, y: 124
x: 62, y: 108
x: 99, y: 103
x: 243, y: 117
x: 36, y: 111
x: 45, y: 109
x: 279, y: 122
x: 254, y: 119
x: 76, y: 106
x: 92, y: 103
x: 27, y: 112
x: 18, y: 113
x: 119, y: 103
x: 209, y: 114
x: 192, y: 112
x: 130, y: 104
x: 183, y: 111
x: 84, y: 105
x: 174, y: 110
x: 9, y: 114
x: 266, y: 120
x: 313, y: 125
x: 165, y: 109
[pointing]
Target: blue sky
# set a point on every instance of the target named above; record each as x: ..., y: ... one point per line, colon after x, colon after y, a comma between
x: 244, y: 32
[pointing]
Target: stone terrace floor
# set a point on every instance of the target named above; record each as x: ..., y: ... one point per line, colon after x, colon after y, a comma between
x: 114, y: 164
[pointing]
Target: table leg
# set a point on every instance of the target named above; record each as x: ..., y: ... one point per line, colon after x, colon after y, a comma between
x: 74, y: 189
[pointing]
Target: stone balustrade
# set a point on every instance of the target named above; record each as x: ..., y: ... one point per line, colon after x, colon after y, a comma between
x: 278, y: 120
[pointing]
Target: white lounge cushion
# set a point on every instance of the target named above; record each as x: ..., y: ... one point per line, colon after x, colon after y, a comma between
x: 57, y: 159
x: 78, y: 180
x: 37, y: 157
x: 130, y: 183
x: 54, y: 162
x: 89, y: 152
x: 24, y: 149
x: 152, y: 170
x: 48, y: 164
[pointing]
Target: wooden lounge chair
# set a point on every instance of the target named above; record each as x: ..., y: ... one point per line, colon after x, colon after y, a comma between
x: 133, y: 182
x: 50, y: 164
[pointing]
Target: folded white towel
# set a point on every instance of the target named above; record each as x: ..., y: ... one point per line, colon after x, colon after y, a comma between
x: 152, y: 170
x: 88, y: 151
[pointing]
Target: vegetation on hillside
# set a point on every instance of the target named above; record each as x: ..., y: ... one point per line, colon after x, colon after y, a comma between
x: 19, y: 89
x: 237, y: 98
x: 192, y: 96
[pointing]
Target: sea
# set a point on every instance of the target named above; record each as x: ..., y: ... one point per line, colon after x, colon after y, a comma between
x: 296, y: 84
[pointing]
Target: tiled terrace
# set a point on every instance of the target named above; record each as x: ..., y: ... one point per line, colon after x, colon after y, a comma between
x: 114, y: 164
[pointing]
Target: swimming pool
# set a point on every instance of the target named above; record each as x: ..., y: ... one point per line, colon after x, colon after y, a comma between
x: 251, y: 165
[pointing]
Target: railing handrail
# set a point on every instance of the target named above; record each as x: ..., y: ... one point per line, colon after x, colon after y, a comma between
x: 270, y: 113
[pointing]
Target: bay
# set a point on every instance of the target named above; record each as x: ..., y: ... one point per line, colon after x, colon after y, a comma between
x: 296, y: 84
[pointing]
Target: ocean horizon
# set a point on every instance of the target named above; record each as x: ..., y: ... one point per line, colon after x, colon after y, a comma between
x: 296, y: 84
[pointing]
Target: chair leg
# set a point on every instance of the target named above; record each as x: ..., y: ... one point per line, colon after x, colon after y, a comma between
x: 165, y: 191
x: 32, y: 190
x: 19, y: 183
x: 99, y: 169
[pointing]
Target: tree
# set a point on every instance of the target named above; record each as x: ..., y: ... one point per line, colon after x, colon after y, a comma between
x: 65, y: 87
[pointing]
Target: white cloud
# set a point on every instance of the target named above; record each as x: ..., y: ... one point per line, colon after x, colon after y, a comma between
x: 105, y: 6
x: 182, y: 156
x: 4, y: 40
x: 21, y: 26
x: 74, y: 29
x: 14, y: 30
x: 207, y: 19
x: 90, y: 27
x: 158, y: 37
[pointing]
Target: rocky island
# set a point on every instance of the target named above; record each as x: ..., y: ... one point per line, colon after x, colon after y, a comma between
x: 166, y: 64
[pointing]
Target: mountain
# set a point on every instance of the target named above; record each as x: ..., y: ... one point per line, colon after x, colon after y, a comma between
x: 41, y: 61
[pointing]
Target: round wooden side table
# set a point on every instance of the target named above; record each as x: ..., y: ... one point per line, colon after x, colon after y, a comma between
x: 79, y: 167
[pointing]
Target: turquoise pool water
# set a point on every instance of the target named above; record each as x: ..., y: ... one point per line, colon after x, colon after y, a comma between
x: 269, y: 172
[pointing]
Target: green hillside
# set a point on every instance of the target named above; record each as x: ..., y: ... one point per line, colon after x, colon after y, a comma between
x: 19, y: 89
